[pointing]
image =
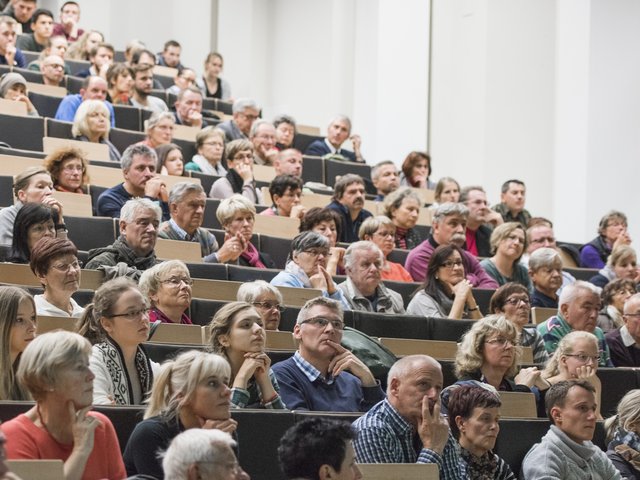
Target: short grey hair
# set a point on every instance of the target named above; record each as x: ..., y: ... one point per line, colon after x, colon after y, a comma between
x: 250, y: 291
x: 331, y: 304
x: 132, y: 207
x: 149, y: 282
x: 81, y: 122
x: 372, y: 224
x: 156, y: 118
x: 449, y: 208
x: 241, y: 104
x: 394, y: 200
x: 256, y: 125
x: 307, y: 240
x: 232, y: 205
x: 182, y: 189
x: 342, y: 118
x: 464, y: 192
x: 137, y: 149
x: 375, y: 170
x: 195, y: 446
x: 357, y: 247
x: 544, y: 257
x: 573, y: 290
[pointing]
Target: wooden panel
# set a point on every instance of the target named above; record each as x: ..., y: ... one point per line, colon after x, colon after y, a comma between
x: 40, y: 469
x: 104, y: 176
x: 438, y: 349
x: 425, y: 216
x: 297, y: 297
x: 311, y: 200
x: 185, y: 132
x: 518, y: 405
x: 215, y: 289
x: 264, y: 173
x: 374, y: 207
x: 93, y: 151
x: 11, y: 107
x: 427, y: 196
x: 567, y: 260
x: 179, y: 334
x: 308, y: 130
x: 280, y: 340
x: 179, y: 250
x: 527, y: 355
x: 91, y: 279
x: 14, y: 164
x: 540, y: 314
x: 165, y: 71
x: 16, y: 274
x: 75, y: 204
x: 399, y: 471
x: 50, y: 90
x: 48, y: 324
x: 283, y: 227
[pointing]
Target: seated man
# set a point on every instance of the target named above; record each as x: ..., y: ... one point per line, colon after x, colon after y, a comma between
x: 21, y: 11
x: 385, y: 177
x: 263, y: 137
x: 322, y: 374
x: 187, y: 202
x: 348, y: 201
x: 407, y: 426
x: 101, y: 58
x: 9, y: 54
x: 170, y: 55
x: 142, y: 86
x: 363, y: 288
x: 624, y: 342
x: 511, y: 205
x: 319, y: 448
x: 184, y: 78
x: 245, y: 112
x: 338, y: 131
x: 189, y: 108
x: 93, y: 88
x: 578, y: 310
x: 480, y: 222
x: 139, y: 164
x: 545, y: 270
x: 448, y: 226
x: 288, y: 162
x: 52, y: 68
x: 69, y: 18
x: 133, y: 250
x: 42, y: 27
x: 566, y: 451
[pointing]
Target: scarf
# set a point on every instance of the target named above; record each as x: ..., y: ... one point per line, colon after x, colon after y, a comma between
x: 480, y: 468
x: 401, y: 238
x: 122, y: 391
x: 297, y: 272
x: 627, y: 445
x: 126, y: 255
x: 252, y: 256
x: 206, y: 167
x: 237, y: 182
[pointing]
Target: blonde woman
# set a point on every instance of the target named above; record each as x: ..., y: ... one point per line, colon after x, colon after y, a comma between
x: 508, y: 243
x: 623, y: 434
x: 92, y: 123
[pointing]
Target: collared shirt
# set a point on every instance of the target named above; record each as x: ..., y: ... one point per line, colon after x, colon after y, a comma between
x: 521, y: 217
x: 311, y: 372
x: 384, y: 436
x: 386, y: 300
x: 626, y: 337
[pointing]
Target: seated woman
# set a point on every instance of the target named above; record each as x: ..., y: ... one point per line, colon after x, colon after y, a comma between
x: 239, y: 178
x: 237, y: 333
x: 576, y: 357
x: 190, y: 391
x: 613, y: 296
x: 612, y: 231
x: 416, y: 170
x: 119, y: 84
x: 54, y: 262
x: 210, y: 147
x: 116, y: 324
x: 474, y: 416
x: 33, y: 222
x: 380, y: 230
x: 285, y: 192
x: 17, y: 330
x: 326, y: 222
x: 266, y: 298
x: 508, y: 243
x: 167, y: 285
x: 623, y: 435
x: 446, y: 293
x: 403, y: 208
x: 306, y: 267
x: 285, y: 131
x: 57, y: 46
x: 159, y: 129
x: 211, y: 84
x: 13, y: 86
x: 55, y: 370
x: 237, y: 216
x: 92, y: 123
x: 81, y: 48
x: 512, y: 300
x: 170, y: 160
x: 545, y: 270
x: 68, y: 169
x: 447, y: 190
x: 622, y: 263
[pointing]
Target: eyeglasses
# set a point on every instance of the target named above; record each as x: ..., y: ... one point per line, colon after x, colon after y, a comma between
x: 57, y: 66
x: 73, y: 168
x: 631, y: 314
x: 582, y: 358
x: 269, y: 306
x: 247, y: 157
x: 316, y: 252
x: 385, y: 234
x: 67, y: 267
x: 176, y: 282
x: 515, y: 301
x: 451, y: 264
x: 323, y: 322
x: 133, y: 315
x: 623, y: 291
x: 500, y: 341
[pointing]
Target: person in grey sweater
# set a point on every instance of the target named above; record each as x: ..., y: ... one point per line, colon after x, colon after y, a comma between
x: 566, y: 451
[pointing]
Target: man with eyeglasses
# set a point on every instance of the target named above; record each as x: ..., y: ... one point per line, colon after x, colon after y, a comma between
x: 480, y: 222
x: 322, y: 374
x: 545, y: 270
x: 245, y: 112
x: 263, y: 137
x: 578, y: 309
x: 52, y: 68
x: 624, y: 342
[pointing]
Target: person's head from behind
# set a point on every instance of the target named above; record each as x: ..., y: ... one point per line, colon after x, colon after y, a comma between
x: 33, y: 222
x: 170, y: 160
x: 349, y: 191
x: 245, y: 112
x: 236, y: 330
x: 403, y: 207
x: 379, y: 230
x: 267, y: 300
x: 576, y: 355
x: 449, y: 224
x: 288, y: 162
x: 513, y: 194
x: 447, y: 190
x: 385, y: 177
x: 92, y: 120
x: 318, y: 449
x: 579, y: 304
x: 285, y: 127
x: 94, y: 88
x: 363, y: 263
x: 513, y: 301
x: 545, y: 270
x: 286, y: 193
x: 68, y: 168
x: 571, y: 406
x: 325, y: 221
x: 139, y: 221
x: 187, y: 202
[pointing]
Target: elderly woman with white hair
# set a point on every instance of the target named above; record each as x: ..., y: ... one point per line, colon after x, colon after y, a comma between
x: 403, y: 208
x: 60, y: 426
x: 159, y: 129
x: 199, y: 453
x: 266, y: 298
x: 92, y: 123
x: 307, y: 267
x: 381, y: 231
x: 622, y: 263
x: 508, y: 243
x: 545, y: 270
x: 168, y: 288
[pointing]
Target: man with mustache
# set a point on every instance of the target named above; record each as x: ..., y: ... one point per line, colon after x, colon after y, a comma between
x: 407, y: 426
x: 448, y: 226
x: 348, y: 201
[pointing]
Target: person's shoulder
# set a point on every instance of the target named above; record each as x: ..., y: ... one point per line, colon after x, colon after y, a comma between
x: 283, y: 366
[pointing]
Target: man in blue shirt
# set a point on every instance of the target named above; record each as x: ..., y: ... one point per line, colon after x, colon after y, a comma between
x: 322, y: 374
x: 9, y: 54
x: 93, y: 88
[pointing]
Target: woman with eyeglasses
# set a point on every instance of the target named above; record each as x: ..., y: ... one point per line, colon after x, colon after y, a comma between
x: 54, y: 262
x: 210, y: 148
x: 613, y: 296
x: 403, y: 208
x: 513, y: 301
x: 159, y: 129
x: 576, y: 357
x: 267, y: 300
x: 285, y: 192
x: 116, y: 324
x: 445, y: 293
x: 167, y: 285
x: 381, y: 231
x: 239, y: 178
x: 612, y: 232
x: 237, y: 333
x: 508, y: 243
x: 68, y: 169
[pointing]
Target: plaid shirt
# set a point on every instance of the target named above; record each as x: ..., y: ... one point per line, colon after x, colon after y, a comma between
x: 311, y: 372
x: 384, y: 436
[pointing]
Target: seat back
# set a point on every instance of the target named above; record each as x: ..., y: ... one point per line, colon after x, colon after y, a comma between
x: 438, y: 349
x: 540, y: 314
x: 399, y: 471
x: 518, y: 405
x: 40, y: 469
